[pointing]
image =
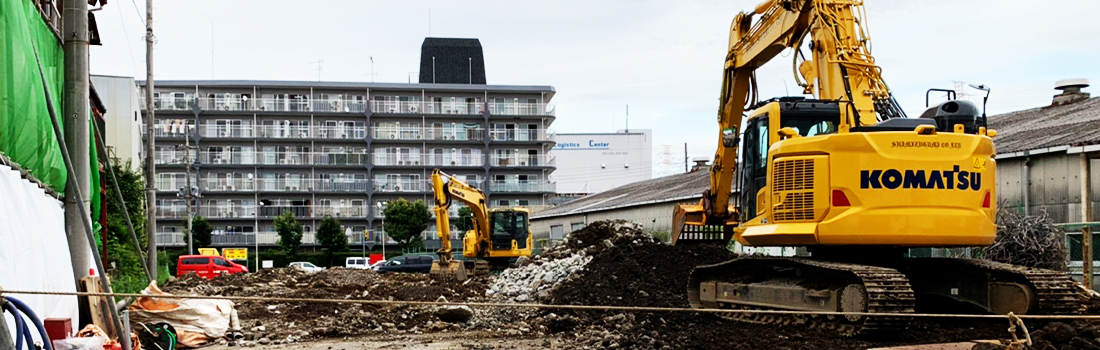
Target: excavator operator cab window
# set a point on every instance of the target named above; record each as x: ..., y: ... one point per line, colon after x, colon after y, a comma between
x: 811, y: 126
x: 507, y: 226
x: 754, y: 171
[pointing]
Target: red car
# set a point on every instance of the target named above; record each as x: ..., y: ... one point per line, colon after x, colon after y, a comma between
x: 207, y: 266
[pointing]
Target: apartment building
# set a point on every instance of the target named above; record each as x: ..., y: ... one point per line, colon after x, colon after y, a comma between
x: 260, y: 148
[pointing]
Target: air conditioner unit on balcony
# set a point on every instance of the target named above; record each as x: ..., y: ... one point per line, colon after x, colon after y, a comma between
x: 288, y: 188
x: 397, y: 188
x: 393, y: 136
x: 344, y: 135
x: 283, y: 161
x: 416, y: 162
x: 522, y: 163
x: 295, y: 188
x: 324, y: 133
x: 223, y: 187
x: 412, y: 108
x: 417, y: 136
x: 232, y: 188
x: 392, y: 110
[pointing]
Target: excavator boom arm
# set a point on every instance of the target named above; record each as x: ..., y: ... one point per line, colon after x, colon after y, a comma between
x: 841, y: 69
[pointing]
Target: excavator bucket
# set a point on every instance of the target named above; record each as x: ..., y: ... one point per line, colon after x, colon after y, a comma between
x: 689, y: 226
x: 450, y: 270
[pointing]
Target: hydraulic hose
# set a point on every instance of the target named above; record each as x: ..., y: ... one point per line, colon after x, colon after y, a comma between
x: 21, y: 330
x: 26, y: 311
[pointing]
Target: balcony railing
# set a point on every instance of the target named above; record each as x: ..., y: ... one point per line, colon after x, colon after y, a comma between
x: 342, y: 185
x: 307, y: 104
x: 340, y: 132
x: 227, y: 211
x: 226, y: 131
x: 171, y: 211
x: 398, y: 159
x: 227, y: 157
x: 521, y: 160
x: 455, y: 160
x: 171, y: 183
x: 334, y: 158
x: 285, y: 184
x: 298, y: 131
x: 521, y: 134
x: 521, y: 187
x: 172, y: 157
x: 171, y: 239
x: 227, y: 184
x: 427, y: 133
x: 313, y: 211
x: 400, y: 185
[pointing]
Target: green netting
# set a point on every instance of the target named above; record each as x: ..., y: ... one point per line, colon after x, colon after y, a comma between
x: 26, y: 133
x: 95, y: 196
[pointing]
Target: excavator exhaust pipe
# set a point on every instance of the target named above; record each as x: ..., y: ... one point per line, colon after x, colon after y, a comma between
x: 451, y: 270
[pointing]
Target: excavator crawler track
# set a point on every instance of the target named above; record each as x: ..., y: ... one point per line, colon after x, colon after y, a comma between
x: 1051, y: 292
x: 878, y: 290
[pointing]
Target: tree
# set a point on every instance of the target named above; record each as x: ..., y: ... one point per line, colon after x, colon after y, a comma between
x: 405, y: 221
x: 331, y: 237
x: 465, y: 220
x: 290, y: 232
x: 201, y: 232
x: 128, y: 276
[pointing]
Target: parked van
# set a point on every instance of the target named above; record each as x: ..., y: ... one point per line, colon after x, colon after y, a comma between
x: 356, y: 263
x: 207, y: 266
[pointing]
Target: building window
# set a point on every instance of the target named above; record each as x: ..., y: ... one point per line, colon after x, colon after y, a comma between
x: 502, y: 203
x: 576, y: 226
x: 556, y: 232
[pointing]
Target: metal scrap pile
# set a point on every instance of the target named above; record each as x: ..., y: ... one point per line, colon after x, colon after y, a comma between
x: 1032, y: 241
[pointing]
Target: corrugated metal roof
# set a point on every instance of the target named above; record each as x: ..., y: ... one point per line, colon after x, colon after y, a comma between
x: 666, y: 189
x: 1074, y: 124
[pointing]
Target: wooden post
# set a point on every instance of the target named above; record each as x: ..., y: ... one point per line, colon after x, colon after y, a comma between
x: 1086, y: 216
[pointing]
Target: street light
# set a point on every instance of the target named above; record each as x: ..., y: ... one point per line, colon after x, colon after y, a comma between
x: 380, y: 207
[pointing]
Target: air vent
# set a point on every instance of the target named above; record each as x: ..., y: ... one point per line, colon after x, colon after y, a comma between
x: 793, y: 186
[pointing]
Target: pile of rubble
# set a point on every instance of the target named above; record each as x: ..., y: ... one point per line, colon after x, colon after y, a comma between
x: 277, y: 322
x: 536, y: 279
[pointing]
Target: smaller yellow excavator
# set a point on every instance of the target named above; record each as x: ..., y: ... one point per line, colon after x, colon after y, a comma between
x: 498, y: 236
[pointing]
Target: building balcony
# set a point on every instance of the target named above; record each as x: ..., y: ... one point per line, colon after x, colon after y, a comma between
x: 284, y: 184
x: 171, y: 239
x: 340, y: 132
x: 521, y: 161
x: 342, y: 185
x: 226, y: 131
x: 334, y: 158
x: 172, y: 157
x: 284, y: 131
x: 522, y: 187
x: 184, y: 102
x: 313, y: 211
x: 416, y: 133
x: 460, y: 108
x: 388, y: 186
x: 522, y: 135
x: 227, y: 157
x: 451, y: 160
x: 347, y: 211
x: 170, y: 184
x: 214, y: 184
x: 171, y: 211
x: 227, y: 211
x: 398, y: 159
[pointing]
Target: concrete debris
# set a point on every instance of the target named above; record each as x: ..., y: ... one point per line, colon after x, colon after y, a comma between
x: 454, y: 314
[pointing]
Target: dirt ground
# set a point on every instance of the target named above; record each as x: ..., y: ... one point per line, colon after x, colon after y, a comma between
x: 626, y: 268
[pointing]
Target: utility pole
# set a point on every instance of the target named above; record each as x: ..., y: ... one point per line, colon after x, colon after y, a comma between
x: 1086, y: 216
x: 188, y: 192
x: 75, y: 119
x: 685, y: 157
x: 150, y: 148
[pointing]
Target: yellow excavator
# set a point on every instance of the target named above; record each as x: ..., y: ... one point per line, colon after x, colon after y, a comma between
x: 848, y: 176
x: 498, y: 235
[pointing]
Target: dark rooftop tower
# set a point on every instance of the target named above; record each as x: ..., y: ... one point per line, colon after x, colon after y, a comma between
x: 452, y: 61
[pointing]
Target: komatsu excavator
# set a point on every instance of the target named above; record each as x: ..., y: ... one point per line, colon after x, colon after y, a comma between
x: 850, y: 178
x: 498, y: 236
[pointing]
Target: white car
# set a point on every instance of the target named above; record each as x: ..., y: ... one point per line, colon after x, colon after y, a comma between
x: 356, y: 263
x: 306, y: 266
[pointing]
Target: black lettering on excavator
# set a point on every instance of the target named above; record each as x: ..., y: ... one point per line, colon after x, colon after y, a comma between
x: 954, y: 178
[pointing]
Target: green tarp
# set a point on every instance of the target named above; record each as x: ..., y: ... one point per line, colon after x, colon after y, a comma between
x: 26, y: 133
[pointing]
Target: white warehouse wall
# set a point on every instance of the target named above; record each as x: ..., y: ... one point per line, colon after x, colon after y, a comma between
x: 596, y: 162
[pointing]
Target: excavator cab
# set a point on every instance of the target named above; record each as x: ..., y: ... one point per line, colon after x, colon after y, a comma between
x: 508, y: 226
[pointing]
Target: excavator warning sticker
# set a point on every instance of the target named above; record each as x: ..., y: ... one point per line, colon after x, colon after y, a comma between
x: 926, y: 144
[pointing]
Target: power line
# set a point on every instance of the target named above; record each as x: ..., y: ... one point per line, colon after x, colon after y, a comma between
x: 128, y: 47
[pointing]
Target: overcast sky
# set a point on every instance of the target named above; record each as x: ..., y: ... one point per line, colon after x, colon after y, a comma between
x: 663, y: 58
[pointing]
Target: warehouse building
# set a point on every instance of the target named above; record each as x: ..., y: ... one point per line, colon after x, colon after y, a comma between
x: 1047, y: 161
x: 255, y: 149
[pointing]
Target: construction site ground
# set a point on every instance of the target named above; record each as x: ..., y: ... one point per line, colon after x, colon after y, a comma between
x: 624, y: 268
